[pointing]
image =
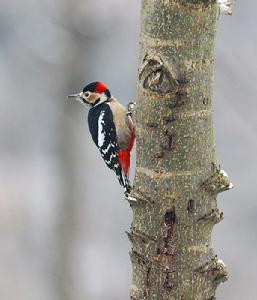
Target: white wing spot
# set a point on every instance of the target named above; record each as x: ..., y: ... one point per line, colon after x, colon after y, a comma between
x: 113, y: 155
x: 104, y: 151
x: 101, y: 135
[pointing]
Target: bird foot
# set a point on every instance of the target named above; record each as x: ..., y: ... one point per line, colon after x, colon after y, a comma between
x: 129, y: 198
x: 131, y: 107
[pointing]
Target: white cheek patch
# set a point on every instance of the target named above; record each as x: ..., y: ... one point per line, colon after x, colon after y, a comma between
x: 103, y: 97
x: 101, y: 133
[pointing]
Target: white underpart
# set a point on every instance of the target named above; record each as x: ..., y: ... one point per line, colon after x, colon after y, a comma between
x: 103, y: 97
x: 101, y: 135
x: 225, y: 7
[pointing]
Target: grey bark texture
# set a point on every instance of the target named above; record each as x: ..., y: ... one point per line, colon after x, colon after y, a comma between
x: 177, y: 177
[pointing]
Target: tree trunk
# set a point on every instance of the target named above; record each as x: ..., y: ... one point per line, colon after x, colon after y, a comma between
x: 177, y: 176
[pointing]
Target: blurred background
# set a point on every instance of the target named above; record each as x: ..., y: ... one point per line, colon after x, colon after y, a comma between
x: 61, y: 228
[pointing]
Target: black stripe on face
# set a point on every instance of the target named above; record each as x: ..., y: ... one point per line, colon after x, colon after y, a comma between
x: 96, y: 102
x: 84, y: 100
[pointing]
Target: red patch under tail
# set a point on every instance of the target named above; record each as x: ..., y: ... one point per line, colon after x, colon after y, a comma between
x: 124, y: 159
x: 124, y: 155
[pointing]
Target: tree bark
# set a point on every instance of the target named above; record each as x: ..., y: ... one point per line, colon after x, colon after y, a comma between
x: 177, y: 175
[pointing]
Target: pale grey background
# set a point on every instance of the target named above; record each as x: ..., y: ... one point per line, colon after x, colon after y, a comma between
x: 62, y: 220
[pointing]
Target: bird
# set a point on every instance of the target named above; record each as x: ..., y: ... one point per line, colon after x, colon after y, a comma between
x: 111, y: 127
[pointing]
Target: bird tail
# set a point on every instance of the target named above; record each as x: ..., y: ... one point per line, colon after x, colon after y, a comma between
x: 123, y: 180
x: 127, y: 185
x: 124, y: 160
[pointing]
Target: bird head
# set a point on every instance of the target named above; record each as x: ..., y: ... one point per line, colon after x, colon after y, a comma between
x: 93, y: 94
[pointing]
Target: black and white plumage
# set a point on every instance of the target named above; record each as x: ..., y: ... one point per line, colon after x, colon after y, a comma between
x: 111, y: 128
x: 103, y: 132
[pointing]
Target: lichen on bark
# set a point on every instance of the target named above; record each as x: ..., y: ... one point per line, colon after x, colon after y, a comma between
x: 177, y: 175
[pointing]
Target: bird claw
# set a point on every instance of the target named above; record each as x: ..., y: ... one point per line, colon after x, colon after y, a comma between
x: 131, y: 107
x: 130, y: 198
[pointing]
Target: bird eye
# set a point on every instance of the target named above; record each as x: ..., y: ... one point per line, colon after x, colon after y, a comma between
x: 87, y: 94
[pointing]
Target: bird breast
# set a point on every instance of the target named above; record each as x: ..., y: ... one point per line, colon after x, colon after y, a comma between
x: 123, y: 123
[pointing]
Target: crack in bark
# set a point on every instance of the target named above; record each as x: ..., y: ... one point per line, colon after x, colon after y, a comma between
x: 166, y: 252
x: 147, y: 295
x: 190, y: 206
x: 169, y: 142
x: 141, y: 259
x: 170, y: 216
x: 147, y: 264
x: 168, y: 281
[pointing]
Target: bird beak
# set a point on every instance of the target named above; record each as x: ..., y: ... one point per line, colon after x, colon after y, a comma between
x: 78, y: 97
x: 74, y: 96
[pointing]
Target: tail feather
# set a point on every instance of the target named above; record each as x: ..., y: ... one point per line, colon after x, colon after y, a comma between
x: 123, y: 180
x: 127, y: 185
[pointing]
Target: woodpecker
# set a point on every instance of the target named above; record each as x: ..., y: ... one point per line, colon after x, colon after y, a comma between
x: 111, y: 128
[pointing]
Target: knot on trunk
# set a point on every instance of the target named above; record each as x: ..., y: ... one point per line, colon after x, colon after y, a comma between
x: 215, y: 270
x: 218, y: 182
x: 156, y: 76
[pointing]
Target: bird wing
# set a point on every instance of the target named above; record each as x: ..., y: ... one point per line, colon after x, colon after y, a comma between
x: 108, y: 144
